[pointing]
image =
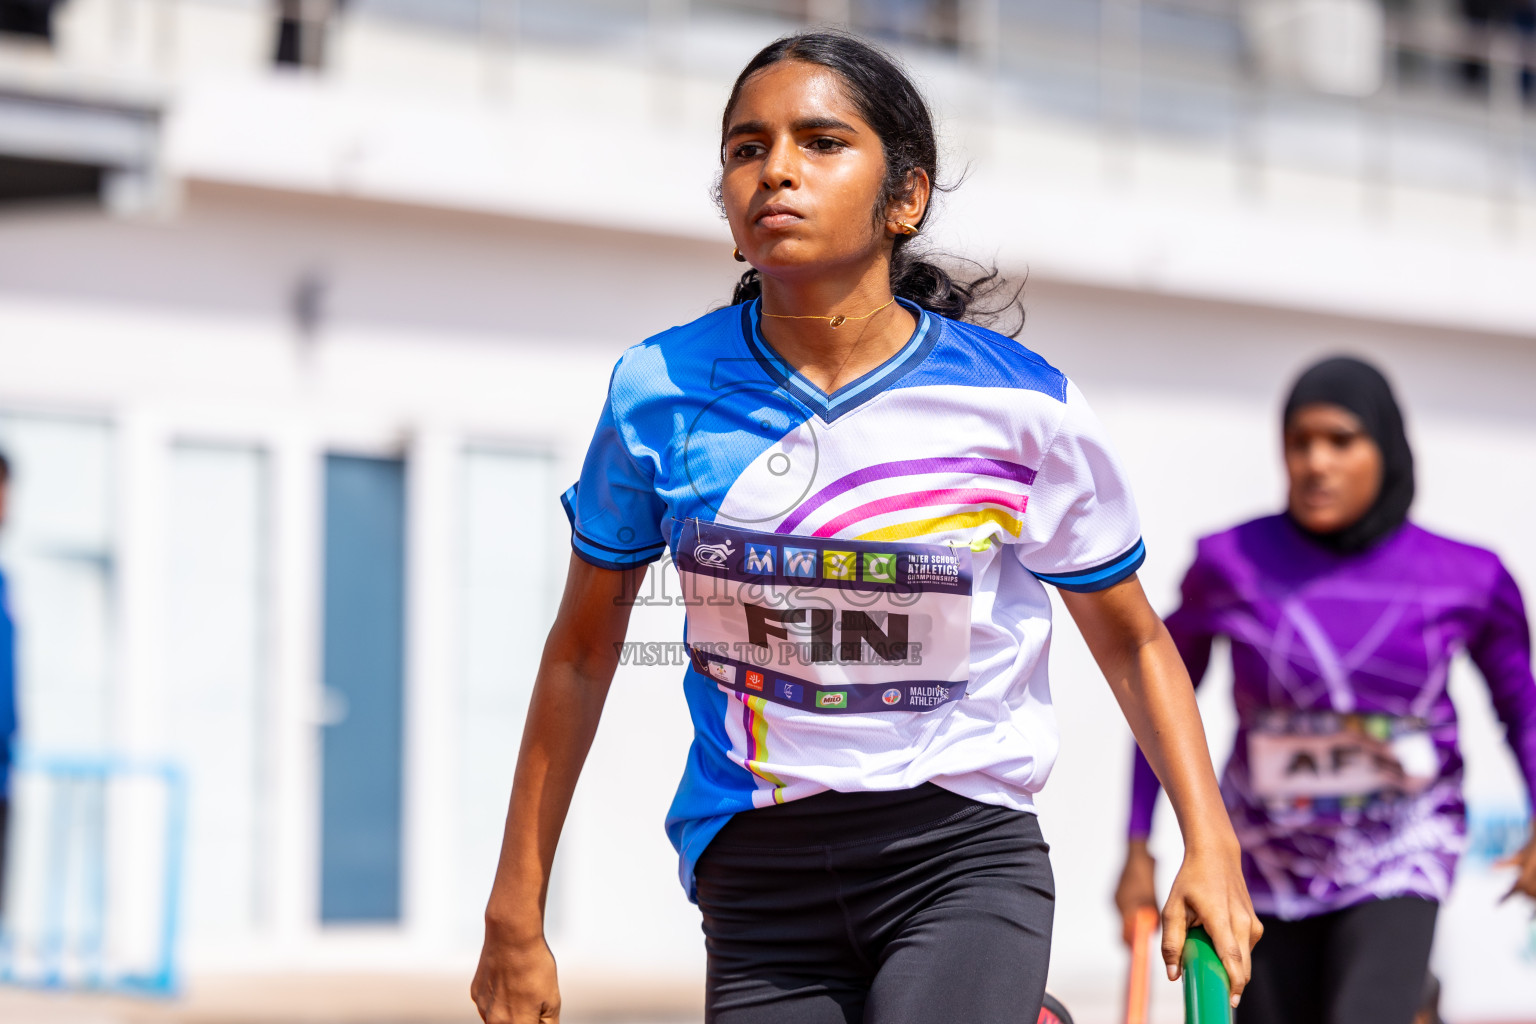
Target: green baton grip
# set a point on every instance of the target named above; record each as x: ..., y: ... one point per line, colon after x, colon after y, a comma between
x: 1207, y: 996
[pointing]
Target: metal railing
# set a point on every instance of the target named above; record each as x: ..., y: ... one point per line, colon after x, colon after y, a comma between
x: 1443, y: 103
x: 1452, y: 106
x: 94, y: 866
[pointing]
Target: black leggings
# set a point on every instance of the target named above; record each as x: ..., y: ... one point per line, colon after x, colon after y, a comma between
x: 1362, y: 965
x: 915, y: 907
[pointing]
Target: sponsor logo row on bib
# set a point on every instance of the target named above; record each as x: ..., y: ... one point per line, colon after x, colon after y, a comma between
x: 794, y: 693
x: 808, y: 563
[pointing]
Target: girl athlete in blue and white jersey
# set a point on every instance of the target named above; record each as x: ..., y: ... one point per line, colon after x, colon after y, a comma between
x: 864, y: 496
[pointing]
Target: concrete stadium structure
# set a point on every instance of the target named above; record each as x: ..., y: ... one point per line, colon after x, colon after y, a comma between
x: 423, y: 250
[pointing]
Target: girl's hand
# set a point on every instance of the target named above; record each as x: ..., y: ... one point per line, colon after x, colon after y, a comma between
x: 1209, y: 891
x: 1136, y: 891
x: 1144, y: 670
x: 515, y: 982
x: 1525, y: 861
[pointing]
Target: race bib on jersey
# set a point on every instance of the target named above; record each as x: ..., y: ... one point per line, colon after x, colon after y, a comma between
x: 832, y: 626
x: 1344, y: 757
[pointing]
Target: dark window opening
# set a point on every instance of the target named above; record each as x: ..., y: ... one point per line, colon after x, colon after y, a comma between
x: 24, y: 180
x: 1484, y: 17
x: 301, y: 31
x: 27, y: 18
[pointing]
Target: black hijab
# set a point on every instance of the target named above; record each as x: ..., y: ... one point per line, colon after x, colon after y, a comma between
x: 1360, y: 387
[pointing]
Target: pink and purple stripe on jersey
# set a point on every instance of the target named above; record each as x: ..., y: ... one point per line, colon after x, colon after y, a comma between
x: 988, y: 491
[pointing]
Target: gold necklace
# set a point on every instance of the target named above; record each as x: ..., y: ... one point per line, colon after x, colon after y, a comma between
x: 835, y: 321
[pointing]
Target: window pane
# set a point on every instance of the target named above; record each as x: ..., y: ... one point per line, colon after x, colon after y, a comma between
x: 215, y: 688
x: 507, y: 597
x: 56, y: 550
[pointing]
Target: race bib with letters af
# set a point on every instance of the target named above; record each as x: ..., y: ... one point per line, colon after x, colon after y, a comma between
x: 1325, y: 756
x: 833, y: 626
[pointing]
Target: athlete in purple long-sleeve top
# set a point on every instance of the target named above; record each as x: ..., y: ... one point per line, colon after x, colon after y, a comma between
x: 1344, y: 785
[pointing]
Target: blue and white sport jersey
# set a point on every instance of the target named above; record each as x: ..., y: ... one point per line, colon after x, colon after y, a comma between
x: 862, y: 570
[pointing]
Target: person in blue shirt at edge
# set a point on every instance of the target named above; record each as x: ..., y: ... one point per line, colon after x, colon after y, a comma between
x: 872, y: 489
x: 7, y: 688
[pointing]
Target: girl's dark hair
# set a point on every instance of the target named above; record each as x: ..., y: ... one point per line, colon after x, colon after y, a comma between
x: 893, y: 107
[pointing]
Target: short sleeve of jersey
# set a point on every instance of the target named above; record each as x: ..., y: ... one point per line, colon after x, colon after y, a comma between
x: 614, y: 510
x: 1081, y: 529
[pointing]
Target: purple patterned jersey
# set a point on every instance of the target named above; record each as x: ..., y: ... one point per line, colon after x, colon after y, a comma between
x: 1345, y: 778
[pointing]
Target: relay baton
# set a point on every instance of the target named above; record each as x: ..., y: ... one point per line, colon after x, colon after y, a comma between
x: 1138, y: 990
x: 1207, y: 994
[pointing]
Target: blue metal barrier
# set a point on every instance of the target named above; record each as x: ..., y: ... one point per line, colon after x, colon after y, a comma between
x: 1494, y: 833
x: 69, y: 805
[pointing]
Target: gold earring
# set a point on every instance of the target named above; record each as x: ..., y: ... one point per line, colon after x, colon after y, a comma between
x: 736, y: 252
x: 903, y: 228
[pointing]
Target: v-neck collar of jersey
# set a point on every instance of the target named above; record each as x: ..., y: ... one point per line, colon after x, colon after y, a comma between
x: 856, y: 392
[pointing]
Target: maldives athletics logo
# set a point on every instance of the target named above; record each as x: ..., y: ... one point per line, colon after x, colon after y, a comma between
x: 891, y: 697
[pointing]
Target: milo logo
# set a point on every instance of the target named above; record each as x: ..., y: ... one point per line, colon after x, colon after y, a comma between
x: 834, y: 699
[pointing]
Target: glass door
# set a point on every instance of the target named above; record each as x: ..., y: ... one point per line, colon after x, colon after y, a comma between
x: 363, y: 665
